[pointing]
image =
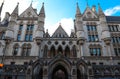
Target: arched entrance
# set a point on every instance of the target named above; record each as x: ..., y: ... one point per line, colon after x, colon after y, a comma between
x: 59, y: 72
x: 38, y: 72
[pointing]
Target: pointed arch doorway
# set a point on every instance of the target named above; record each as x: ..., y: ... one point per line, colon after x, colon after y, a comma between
x: 59, y: 72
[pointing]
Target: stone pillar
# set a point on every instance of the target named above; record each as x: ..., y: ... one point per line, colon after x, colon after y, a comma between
x: 73, y: 73
x: 90, y: 72
x: 81, y: 43
x: 108, y: 46
x: 45, y: 72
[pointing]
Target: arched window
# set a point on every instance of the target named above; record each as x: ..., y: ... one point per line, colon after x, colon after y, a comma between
x: 45, y: 51
x: 95, y: 50
x: 52, y: 51
x: 15, y: 49
x: 26, y: 48
x: 67, y: 51
x: 2, y: 35
x: 60, y: 51
x: 74, y: 50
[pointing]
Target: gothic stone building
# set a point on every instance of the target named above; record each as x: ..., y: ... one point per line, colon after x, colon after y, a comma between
x: 91, y: 51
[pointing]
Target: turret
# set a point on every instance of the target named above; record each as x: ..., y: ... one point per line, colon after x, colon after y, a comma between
x: 103, y: 23
x: 12, y: 22
x: 40, y: 29
x: 79, y: 24
x: 1, y: 10
x: 94, y: 9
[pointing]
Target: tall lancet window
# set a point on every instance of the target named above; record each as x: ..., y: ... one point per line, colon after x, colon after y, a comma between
x: 29, y: 32
x: 19, y: 33
x: 92, y: 32
x: 15, y: 49
x: 2, y: 35
x: 26, y: 50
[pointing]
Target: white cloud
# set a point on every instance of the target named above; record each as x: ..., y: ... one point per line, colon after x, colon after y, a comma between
x: 112, y: 11
x: 66, y: 23
x: 9, y: 5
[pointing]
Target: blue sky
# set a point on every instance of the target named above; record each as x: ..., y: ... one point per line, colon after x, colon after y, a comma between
x: 62, y: 11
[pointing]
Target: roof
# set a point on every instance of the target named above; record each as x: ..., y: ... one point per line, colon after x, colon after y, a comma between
x: 113, y: 18
x: 60, y: 32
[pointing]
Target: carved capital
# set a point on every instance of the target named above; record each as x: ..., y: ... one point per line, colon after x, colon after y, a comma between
x: 107, y: 41
x: 81, y: 41
x: 38, y: 41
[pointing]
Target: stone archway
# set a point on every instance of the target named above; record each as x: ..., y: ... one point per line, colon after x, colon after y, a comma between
x: 37, y: 72
x: 59, y: 72
x: 82, y: 69
x: 59, y: 65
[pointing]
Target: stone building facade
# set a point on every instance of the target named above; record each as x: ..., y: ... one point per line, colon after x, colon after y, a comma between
x: 92, y: 51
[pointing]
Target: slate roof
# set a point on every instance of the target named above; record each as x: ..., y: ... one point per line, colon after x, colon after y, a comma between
x: 113, y: 19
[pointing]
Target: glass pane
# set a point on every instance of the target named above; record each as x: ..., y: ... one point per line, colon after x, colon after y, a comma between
x: 115, y: 50
x: 94, y: 51
x: 32, y: 27
x: 98, y: 51
x: 30, y: 37
x: 26, y: 37
x: 15, y: 51
x: 3, y: 35
x: 18, y: 37
x: 28, y: 27
x: 20, y: 27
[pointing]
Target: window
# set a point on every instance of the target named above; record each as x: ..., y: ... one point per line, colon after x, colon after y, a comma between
x: 18, y: 37
x: 101, y: 63
x: 30, y: 27
x: 92, y: 38
x: 26, y: 37
x: 20, y: 27
x: 91, y: 27
x: 92, y: 32
x: 115, y: 39
x: 15, y: 49
x: 26, y: 50
x: 74, y: 51
x: 2, y: 35
x: 113, y: 28
x: 117, y: 51
x: 29, y: 36
x: 95, y: 50
x: 19, y: 33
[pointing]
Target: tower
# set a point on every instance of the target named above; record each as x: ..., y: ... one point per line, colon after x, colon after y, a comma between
x: 10, y: 31
x: 79, y: 29
x: 105, y: 31
x: 40, y: 29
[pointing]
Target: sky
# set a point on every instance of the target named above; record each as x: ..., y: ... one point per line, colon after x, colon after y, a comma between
x: 61, y: 11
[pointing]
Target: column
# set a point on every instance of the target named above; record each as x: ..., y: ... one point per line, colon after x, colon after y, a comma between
x: 81, y: 44
x: 45, y: 72
x: 73, y: 73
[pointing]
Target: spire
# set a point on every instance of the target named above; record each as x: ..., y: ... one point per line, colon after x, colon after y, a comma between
x: 78, y: 10
x: 31, y: 3
x: 100, y: 10
x: 1, y: 7
x: 87, y: 3
x: 15, y: 11
x: 42, y: 11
